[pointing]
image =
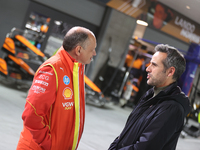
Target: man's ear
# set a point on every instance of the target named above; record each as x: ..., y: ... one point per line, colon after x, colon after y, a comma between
x: 78, y: 50
x: 171, y: 71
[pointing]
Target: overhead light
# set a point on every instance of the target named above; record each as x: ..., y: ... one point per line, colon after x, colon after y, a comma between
x: 188, y: 7
x: 143, y: 23
x: 57, y: 22
x: 135, y: 3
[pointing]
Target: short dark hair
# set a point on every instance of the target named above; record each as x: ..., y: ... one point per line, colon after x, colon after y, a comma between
x: 174, y: 58
x: 74, y: 39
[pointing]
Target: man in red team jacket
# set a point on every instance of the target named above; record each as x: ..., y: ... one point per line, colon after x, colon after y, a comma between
x: 54, y: 114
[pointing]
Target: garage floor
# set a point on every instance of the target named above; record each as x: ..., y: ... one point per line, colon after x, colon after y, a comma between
x: 101, y: 127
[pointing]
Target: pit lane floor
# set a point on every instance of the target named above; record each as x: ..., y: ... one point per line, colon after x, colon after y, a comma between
x: 102, y: 125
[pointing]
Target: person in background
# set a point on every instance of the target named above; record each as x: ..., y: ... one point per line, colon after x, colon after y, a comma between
x: 158, y: 15
x: 157, y: 120
x: 53, y: 118
x: 135, y: 65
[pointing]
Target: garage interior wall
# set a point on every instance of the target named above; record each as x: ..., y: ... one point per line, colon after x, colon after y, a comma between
x: 161, y: 37
x: 120, y: 29
x: 83, y: 9
x: 59, y: 16
x: 12, y: 14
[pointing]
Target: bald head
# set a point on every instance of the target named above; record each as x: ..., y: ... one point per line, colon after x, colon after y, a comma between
x: 76, y: 36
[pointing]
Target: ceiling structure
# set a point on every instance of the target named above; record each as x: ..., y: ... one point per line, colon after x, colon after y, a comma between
x: 192, y: 13
x: 178, y: 5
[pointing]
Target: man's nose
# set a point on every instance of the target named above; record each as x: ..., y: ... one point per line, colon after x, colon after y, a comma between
x: 94, y: 53
x: 147, y: 69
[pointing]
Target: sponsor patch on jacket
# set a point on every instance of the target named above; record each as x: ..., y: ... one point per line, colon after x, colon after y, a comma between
x: 45, y: 72
x: 41, y: 82
x: 44, y: 77
x: 67, y: 93
x: 66, y: 80
x: 68, y: 105
x: 38, y: 89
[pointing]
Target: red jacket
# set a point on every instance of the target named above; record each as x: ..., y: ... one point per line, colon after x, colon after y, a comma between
x: 54, y: 113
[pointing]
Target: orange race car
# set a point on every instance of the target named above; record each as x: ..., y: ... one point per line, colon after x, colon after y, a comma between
x: 19, y: 60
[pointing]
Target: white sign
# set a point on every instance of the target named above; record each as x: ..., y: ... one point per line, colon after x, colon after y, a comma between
x: 187, y: 29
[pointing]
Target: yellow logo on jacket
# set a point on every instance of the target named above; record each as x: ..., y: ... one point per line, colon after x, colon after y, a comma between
x: 67, y: 93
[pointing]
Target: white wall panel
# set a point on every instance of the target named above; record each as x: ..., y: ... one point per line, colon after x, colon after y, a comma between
x: 160, y: 37
x: 82, y: 9
x: 12, y: 13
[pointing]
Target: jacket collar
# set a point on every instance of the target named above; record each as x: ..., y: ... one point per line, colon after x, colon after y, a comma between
x: 68, y: 58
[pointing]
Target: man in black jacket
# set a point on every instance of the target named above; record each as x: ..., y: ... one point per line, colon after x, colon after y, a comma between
x: 157, y: 120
